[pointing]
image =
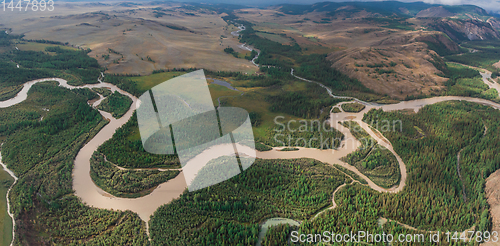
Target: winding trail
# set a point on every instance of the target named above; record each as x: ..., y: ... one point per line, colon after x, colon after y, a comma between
x: 334, y: 204
x: 464, y: 194
x: 141, y: 169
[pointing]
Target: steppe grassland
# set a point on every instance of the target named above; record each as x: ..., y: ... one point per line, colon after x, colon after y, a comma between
x: 275, y: 38
x: 219, y: 91
x: 254, y: 100
x: 305, y: 31
x: 405, y: 69
x: 39, y: 46
x: 147, y: 82
x: 267, y: 22
x: 143, y: 42
x: 352, y: 44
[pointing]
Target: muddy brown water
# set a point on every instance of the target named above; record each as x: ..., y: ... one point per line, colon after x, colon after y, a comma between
x: 145, y: 206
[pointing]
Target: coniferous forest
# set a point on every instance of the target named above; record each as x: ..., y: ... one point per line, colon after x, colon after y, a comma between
x: 449, y: 150
x: 432, y: 199
x: 116, y: 104
x: 41, y: 153
x: 41, y: 137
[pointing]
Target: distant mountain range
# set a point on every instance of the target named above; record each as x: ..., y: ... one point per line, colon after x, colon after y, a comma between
x: 459, y: 22
x: 416, y: 9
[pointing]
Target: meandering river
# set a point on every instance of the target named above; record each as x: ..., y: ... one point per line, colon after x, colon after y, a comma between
x: 145, y: 206
x: 245, y: 46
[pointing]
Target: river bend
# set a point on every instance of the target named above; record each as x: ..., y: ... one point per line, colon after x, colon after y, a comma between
x: 145, y: 206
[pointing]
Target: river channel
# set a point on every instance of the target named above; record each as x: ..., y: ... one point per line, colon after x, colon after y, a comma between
x: 145, y: 206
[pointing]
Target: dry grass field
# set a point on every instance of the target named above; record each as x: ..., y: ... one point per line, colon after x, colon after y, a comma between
x: 397, y: 71
x: 131, y: 38
x: 140, y: 40
x: 147, y: 82
x: 356, y: 47
x: 39, y: 47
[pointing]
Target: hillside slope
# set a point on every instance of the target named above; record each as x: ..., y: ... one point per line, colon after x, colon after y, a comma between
x: 391, y: 48
x: 470, y: 21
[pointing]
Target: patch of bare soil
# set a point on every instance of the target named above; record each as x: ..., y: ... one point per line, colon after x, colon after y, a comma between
x: 493, y: 196
x: 497, y: 65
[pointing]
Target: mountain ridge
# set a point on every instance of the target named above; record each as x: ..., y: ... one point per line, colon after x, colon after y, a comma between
x: 459, y: 22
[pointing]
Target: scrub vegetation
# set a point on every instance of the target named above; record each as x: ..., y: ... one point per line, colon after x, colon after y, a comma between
x: 465, y: 81
x: 103, y: 91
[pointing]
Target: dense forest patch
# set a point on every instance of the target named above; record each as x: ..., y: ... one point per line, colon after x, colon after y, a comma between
x: 19, y: 67
x: 448, y: 127
x: 103, y: 91
x: 125, y: 149
x: 41, y: 153
x: 5, y: 221
x: 126, y: 183
x: 230, y: 211
x: 277, y: 235
x: 432, y: 198
x: 372, y: 159
x: 465, y: 81
x: 482, y: 54
x: 352, y: 107
x: 116, y: 104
